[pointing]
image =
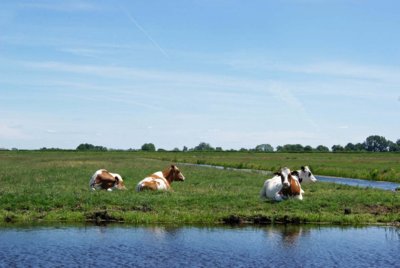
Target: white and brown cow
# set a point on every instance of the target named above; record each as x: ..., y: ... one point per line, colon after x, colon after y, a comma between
x: 161, y: 180
x: 282, y: 186
x: 103, y: 179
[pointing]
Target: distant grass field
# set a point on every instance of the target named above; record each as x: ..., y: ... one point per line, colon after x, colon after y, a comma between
x: 371, y: 166
x: 53, y: 187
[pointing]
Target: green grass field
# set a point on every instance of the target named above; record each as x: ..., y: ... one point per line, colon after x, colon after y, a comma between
x: 53, y: 187
x: 372, y: 166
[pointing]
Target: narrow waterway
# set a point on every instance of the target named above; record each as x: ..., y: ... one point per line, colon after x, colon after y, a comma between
x: 158, y: 246
x: 383, y: 185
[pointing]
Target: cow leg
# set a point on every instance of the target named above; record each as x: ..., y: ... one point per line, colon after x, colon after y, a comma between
x: 278, y: 197
x: 299, y: 197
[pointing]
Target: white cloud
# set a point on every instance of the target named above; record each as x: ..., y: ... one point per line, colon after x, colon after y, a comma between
x: 297, y: 111
x: 10, y: 132
x: 332, y: 69
x: 251, y: 138
x: 83, y: 51
x: 64, y: 6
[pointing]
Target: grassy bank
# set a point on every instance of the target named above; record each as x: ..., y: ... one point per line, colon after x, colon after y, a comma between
x: 371, y: 166
x: 53, y: 187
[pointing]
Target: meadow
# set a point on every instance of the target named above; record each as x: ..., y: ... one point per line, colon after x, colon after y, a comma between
x: 370, y: 166
x: 53, y: 187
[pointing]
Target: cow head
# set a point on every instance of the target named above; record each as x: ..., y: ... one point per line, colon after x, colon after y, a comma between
x: 119, y: 183
x: 172, y: 173
x: 305, y: 175
x: 286, y: 176
x: 176, y: 174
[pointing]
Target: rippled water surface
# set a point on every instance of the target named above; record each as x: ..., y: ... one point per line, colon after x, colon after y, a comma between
x: 290, y: 246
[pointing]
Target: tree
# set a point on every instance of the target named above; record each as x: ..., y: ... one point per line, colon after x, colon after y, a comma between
x: 204, y: 147
x: 185, y: 149
x: 264, y: 148
x: 393, y: 147
x: 350, y: 147
x: 337, y: 148
x: 308, y: 148
x: 50, y: 149
x: 359, y: 147
x: 90, y: 147
x: 322, y: 148
x: 218, y: 149
x: 290, y: 148
x: 376, y: 143
x: 149, y: 147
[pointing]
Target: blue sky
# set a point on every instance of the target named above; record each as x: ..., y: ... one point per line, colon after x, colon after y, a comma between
x: 176, y: 73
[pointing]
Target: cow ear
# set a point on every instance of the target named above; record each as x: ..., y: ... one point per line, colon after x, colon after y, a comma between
x: 173, y: 166
x: 117, y: 179
x: 303, y: 168
x: 295, y: 173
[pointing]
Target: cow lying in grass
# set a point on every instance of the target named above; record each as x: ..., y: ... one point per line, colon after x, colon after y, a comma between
x: 282, y: 186
x: 161, y: 180
x: 304, y: 175
x: 102, y: 179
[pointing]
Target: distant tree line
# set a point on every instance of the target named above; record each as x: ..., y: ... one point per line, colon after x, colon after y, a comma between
x: 373, y: 143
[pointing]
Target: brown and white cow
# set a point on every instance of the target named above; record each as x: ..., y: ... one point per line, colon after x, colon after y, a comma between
x: 161, y: 180
x: 103, y: 179
x: 293, y: 189
x: 282, y: 186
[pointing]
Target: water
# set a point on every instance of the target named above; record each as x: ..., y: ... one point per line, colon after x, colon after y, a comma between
x: 383, y: 185
x: 121, y: 246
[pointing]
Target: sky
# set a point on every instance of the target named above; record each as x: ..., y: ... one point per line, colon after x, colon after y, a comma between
x: 231, y: 73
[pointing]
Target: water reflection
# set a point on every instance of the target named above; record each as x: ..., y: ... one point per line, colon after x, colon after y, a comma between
x: 292, y: 234
x: 172, y: 246
x: 287, y: 235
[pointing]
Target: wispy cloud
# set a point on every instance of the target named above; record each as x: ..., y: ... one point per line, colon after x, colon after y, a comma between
x: 293, y: 102
x: 140, y: 28
x: 64, y: 6
x: 9, y: 132
x: 84, y: 51
x: 250, y: 138
x: 333, y: 69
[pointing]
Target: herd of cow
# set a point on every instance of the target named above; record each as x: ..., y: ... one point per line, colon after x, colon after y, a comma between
x: 283, y: 185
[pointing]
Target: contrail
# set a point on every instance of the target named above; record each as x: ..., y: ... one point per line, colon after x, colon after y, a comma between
x: 144, y: 32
